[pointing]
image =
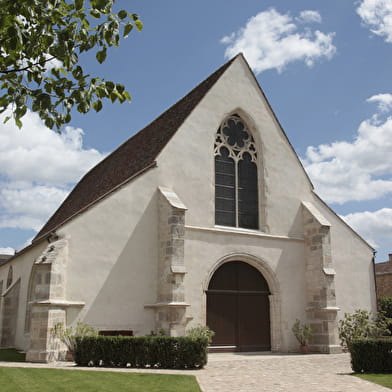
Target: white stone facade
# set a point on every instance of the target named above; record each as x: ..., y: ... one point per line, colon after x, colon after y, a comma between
x: 142, y: 257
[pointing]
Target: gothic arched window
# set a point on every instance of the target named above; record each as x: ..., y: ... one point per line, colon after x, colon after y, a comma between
x: 236, y: 190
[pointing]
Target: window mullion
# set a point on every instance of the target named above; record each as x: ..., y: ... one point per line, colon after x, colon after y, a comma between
x: 236, y: 192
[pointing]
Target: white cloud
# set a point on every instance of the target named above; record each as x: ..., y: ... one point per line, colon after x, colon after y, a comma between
x: 272, y: 40
x: 377, y: 15
x: 309, y: 16
x: 27, y: 206
x: 37, y: 170
x: 35, y: 153
x: 375, y: 227
x: 7, y: 251
x: 356, y: 170
x: 384, y: 101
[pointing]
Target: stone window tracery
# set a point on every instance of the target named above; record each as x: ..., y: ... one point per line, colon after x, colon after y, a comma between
x: 236, y: 184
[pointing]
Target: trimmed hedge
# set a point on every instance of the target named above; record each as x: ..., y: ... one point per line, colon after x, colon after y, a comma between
x: 371, y: 355
x: 164, y: 352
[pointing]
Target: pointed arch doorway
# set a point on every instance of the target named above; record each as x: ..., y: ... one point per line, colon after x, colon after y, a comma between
x: 238, y: 309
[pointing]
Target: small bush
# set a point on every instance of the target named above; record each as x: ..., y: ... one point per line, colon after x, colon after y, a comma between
x: 302, y: 332
x: 371, y: 355
x: 385, y: 306
x: 143, y: 351
x: 361, y: 324
x: 68, y: 335
x: 200, y: 332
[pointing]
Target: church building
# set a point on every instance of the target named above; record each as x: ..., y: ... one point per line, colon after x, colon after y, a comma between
x: 204, y: 217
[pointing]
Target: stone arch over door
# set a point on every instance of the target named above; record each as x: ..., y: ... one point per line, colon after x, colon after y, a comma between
x: 268, y: 303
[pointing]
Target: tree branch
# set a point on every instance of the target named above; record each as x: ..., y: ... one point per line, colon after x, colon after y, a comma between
x: 8, y: 71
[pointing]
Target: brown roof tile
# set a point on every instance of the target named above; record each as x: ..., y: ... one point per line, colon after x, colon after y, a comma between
x: 4, y: 258
x: 134, y: 156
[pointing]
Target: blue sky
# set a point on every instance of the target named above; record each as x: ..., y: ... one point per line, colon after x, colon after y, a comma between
x: 325, y: 67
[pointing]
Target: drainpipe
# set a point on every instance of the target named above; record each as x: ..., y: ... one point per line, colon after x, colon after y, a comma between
x: 374, y: 275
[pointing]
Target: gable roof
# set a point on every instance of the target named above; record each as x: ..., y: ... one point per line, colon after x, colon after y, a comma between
x: 132, y: 158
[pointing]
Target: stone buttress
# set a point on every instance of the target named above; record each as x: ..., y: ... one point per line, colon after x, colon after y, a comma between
x: 170, y: 308
x: 320, y: 281
x: 47, y: 303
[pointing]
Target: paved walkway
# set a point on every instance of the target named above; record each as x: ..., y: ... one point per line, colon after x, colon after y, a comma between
x: 262, y: 373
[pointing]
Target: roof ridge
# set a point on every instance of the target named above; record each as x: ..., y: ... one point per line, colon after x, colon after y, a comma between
x: 134, y: 155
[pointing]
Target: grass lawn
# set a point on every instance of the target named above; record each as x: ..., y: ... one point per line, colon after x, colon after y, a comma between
x: 11, y: 355
x: 49, y: 380
x: 382, y: 379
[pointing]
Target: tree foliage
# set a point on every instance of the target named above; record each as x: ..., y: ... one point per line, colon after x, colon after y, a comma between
x: 385, y: 306
x: 362, y: 324
x: 40, y: 45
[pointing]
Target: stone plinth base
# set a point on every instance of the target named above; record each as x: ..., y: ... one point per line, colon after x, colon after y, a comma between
x: 325, y: 349
x: 45, y: 356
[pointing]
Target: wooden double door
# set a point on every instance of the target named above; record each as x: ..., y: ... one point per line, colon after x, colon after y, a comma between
x: 238, y: 309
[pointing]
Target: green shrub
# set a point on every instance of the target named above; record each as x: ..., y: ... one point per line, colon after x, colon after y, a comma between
x: 143, y: 351
x: 302, y: 332
x: 371, y: 355
x: 361, y: 324
x: 68, y: 335
x: 200, y: 332
x: 385, y: 306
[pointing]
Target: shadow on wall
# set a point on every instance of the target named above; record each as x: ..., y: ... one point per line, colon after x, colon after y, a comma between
x: 297, y: 227
x: 132, y: 281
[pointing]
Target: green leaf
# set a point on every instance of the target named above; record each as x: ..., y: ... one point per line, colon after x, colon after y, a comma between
x: 126, y: 95
x: 120, y: 88
x: 48, y: 87
x: 49, y: 122
x: 79, y: 4
x: 83, y: 107
x: 139, y: 25
x: 116, y: 95
x: 18, y: 123
x: 127, y: 29
x: 101, y: 55
x: 122, y: 14
x: 77, y: 73
x: 109, y: 85
x: 97, y: 106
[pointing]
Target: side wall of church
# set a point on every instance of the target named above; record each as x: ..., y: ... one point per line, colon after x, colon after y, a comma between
x: 21, y: 269
x: 112, y: 260
x: 352, y: 261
